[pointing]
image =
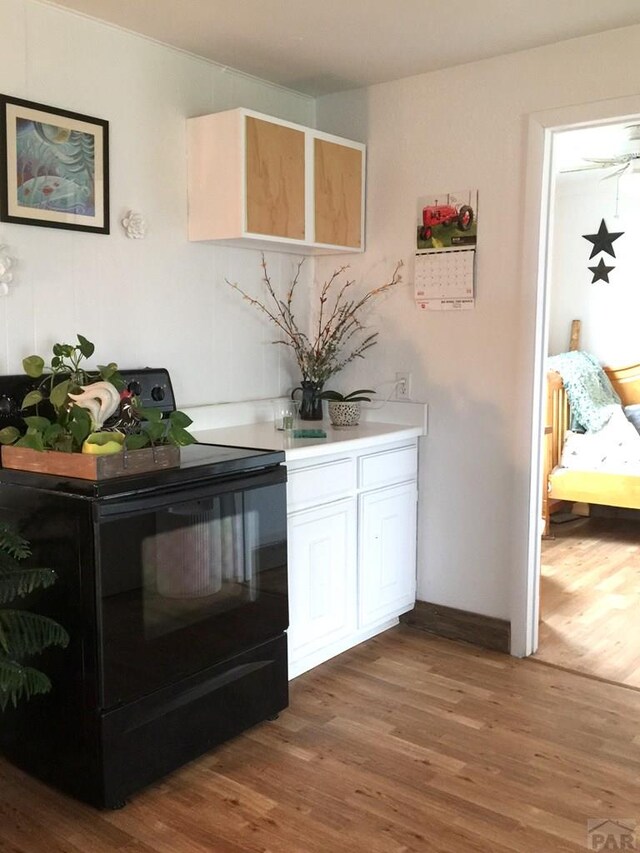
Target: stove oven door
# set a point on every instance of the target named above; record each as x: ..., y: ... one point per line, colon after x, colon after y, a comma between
x: 188, y: 579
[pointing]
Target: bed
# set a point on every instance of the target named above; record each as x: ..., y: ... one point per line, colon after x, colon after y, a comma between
x: 574, y: 484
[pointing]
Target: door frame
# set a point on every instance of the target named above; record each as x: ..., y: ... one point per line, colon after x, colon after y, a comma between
x: 537, y: 220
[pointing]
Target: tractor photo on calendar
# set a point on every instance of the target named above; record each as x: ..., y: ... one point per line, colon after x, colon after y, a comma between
x: 447, y: 220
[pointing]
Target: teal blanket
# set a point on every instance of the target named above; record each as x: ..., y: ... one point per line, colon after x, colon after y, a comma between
x: 590, y: 394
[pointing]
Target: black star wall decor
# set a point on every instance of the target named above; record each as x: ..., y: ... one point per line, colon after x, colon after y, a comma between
x: 601, y: 272
x: 603, y: 240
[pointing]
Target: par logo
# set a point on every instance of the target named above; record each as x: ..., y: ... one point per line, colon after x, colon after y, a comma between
x: 607, y: 834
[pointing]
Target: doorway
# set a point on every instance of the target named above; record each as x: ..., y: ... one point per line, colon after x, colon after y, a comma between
x: 543, y: 129
x: 590, y: 554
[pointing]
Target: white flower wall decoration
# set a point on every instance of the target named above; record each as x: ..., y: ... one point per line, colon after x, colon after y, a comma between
x: 6, y: 270
x: 134, y: 225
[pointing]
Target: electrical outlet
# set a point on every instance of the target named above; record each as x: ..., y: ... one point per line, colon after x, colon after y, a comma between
x: 403, y: 385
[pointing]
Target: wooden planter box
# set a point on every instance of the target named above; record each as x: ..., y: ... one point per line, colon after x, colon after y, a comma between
x: 85, y: 466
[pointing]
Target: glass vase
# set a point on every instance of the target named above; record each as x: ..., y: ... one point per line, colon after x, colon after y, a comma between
x: 310, y: 403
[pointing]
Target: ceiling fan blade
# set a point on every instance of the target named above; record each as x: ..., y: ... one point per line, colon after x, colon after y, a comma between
x: 585, y: 168
x: 610, y: 161
x: 618, y: 172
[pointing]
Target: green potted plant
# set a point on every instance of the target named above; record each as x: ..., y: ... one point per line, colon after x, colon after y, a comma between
x: 338, y: 335
x: 22, y: 633
x: 74, y: 410
x: 344, y: 409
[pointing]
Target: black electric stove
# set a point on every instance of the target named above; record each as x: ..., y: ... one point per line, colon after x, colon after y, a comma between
x: 172, y: 585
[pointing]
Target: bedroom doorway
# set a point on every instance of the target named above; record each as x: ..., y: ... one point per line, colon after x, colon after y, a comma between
x: 586, y: 574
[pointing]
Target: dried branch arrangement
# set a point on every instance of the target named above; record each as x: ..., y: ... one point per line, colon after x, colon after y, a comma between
x: 338, y: 335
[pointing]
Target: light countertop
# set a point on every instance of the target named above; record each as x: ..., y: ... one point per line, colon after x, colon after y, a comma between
x: 264, y: 436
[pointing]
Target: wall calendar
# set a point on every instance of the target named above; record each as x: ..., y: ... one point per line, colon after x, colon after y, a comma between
x: 446, y: 239
x: 444, y: 281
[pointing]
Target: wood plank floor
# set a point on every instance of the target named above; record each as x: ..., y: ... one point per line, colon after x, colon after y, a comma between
x: 590, y: 598
x: 406, y: 744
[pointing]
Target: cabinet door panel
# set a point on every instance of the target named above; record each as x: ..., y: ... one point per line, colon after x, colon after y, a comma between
x: 275, y: 179
x: 338, y: 194
x: 387, y: 561
x: 322, y: 576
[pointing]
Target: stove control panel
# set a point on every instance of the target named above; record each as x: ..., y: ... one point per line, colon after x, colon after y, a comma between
x: 152, y: 387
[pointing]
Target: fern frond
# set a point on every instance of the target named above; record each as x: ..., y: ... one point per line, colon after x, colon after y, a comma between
x: 19, y: 582
x: 29, y: 633
x: 17, y: 681
x: 12, y: 543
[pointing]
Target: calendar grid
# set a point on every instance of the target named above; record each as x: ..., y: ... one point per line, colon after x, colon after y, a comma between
x: 444, y: 280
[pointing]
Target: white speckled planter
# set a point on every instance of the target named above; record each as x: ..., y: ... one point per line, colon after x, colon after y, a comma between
x: 344, y: 414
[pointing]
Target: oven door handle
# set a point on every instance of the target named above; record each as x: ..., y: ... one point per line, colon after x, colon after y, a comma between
x: 125, y: 507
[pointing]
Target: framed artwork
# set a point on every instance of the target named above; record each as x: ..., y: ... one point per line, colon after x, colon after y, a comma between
x: 54, y: 167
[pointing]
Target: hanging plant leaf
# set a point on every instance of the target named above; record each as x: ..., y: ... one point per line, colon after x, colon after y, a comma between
x: 86, y: 347
x: 32, y: 399
x: 79, y: 425
x: 37, y: 423
x: 9, y: 434
x: 178, y: 435
x: 179, y: 419
x: 58, y: 395
x: 136, y: 441
x: 33, y: 366
x: 155, y: 430
x: 152, y: 415
x: 32, y: 440
x: 52, y: 434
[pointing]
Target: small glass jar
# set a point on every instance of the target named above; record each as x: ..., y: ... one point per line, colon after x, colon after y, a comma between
x: 285, y: 414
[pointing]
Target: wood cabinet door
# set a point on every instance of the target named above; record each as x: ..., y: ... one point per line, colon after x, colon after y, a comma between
x: 275, y: 179
x: 338, y: 194
x: 322, y: 577
x: 387, y: 552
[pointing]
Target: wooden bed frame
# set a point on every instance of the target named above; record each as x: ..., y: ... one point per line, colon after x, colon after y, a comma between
x: 593, y: 487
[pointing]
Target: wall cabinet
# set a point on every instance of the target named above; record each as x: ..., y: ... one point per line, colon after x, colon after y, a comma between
x: 352, y: 549
x: 258, y: 181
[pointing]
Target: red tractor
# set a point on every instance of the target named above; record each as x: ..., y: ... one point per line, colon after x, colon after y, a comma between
x: 445, y: 214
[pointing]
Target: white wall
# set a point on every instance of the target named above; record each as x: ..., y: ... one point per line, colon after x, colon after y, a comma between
x: 610, y: 312
x: 161, y: 301
x: 467, y: 127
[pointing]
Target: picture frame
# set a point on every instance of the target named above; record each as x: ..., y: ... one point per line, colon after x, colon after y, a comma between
x: 54, y: 167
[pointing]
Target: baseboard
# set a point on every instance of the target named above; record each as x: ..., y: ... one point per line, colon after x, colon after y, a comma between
x: 485, y: 631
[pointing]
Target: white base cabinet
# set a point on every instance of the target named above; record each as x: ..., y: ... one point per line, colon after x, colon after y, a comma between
x: 387, y: 526
x: 352, y: 549
x: 322, y: 588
